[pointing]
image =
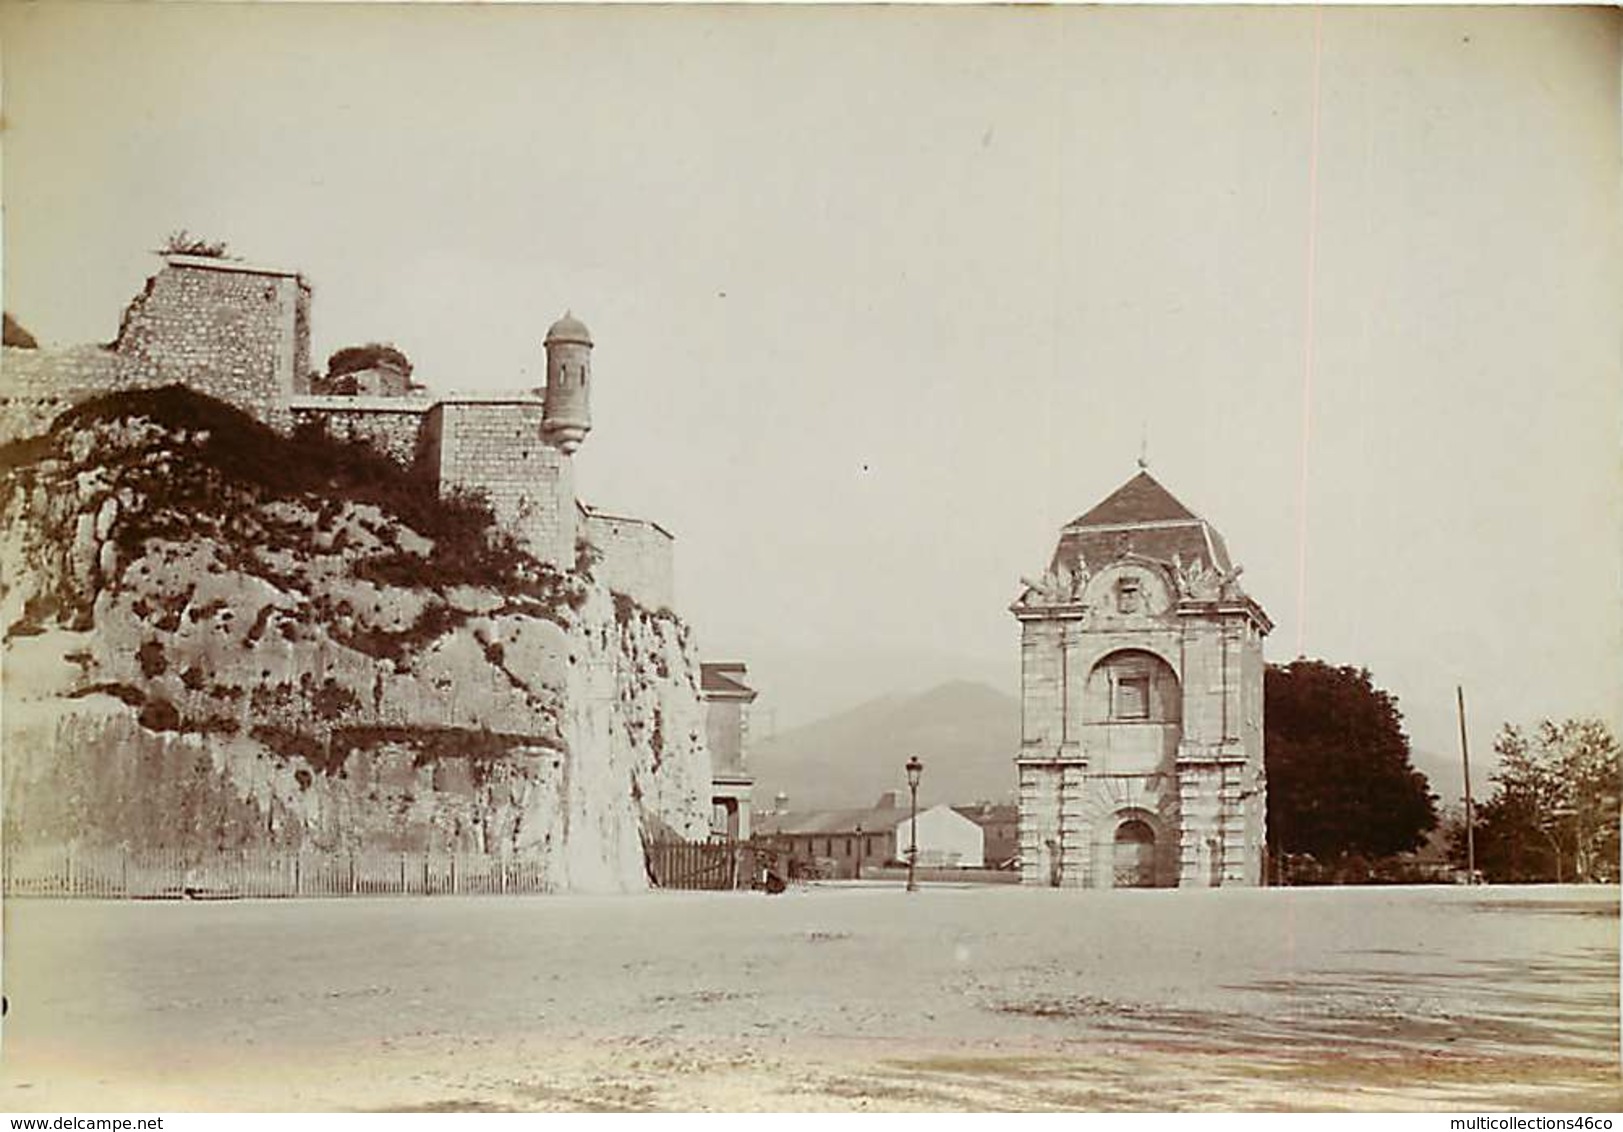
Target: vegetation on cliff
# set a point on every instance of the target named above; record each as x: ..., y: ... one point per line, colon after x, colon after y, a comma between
x: 306, y: 645
x: 189, y: 464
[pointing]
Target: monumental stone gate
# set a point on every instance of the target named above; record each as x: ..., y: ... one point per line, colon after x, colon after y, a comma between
x: 1141, y: 704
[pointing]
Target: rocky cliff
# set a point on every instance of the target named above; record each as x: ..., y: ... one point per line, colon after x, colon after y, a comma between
x: 217, y: 636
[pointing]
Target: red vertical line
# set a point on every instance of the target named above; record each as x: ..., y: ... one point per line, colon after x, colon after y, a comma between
x: 1307, y: 338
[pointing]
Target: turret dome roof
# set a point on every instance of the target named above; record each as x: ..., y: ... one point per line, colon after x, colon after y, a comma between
x: 569, y: 329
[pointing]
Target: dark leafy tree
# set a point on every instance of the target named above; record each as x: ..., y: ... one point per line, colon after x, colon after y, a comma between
x: 1340, y: 783
x: 1553, y: 813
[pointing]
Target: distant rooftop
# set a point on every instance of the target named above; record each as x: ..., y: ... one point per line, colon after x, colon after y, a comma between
x: 726, y: 678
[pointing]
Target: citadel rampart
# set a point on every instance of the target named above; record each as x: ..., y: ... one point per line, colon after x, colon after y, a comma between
x: 36, y: 385
x: 241, y: 334
x: 493, y: 446
x: 636, y: 557
x: 238, y: 333
x: 390, y: 426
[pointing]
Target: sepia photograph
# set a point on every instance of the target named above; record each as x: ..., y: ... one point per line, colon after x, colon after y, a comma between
x: 810, y: 558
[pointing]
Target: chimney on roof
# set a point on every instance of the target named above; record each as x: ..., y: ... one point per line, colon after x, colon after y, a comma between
x: 889, y: 800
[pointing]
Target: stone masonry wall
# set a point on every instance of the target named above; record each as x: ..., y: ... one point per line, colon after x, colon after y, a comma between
x: 493, y: 446
x: 392, y: 426
x: 222, y: 328
x: 242, y: 334
x: 38, y: 385
x: 725, y: 724
x: 238, y: 333
x: 638, y: 558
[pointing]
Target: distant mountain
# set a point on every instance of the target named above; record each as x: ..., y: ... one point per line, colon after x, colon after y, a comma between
x: 806, y: 685
x: 966, y: 733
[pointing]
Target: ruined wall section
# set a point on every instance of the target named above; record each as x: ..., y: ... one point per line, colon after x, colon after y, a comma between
x: 637, y: 558
x: 491, y: 445
x: 235, y: 332
x: 227, y: 329
x: 390, y: 426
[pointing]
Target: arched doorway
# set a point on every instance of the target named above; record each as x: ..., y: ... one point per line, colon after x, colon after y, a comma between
x: 1135, y: 855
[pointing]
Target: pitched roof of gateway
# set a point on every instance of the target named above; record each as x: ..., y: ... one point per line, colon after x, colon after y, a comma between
x: 1141, y: 517
x: 1141, y: 499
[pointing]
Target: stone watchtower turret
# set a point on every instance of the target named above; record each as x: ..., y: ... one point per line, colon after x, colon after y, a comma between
x: 517, y: 449
x: 568, y: 416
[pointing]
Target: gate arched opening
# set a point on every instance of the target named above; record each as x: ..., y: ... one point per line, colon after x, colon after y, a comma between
x: 1135, y: 855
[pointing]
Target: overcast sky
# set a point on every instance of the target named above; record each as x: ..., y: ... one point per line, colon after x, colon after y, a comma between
x: 884, y: 297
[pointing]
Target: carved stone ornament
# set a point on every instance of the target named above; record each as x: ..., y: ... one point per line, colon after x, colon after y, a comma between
x: 1199, y: 582
x: 1196, y: 580
x: 1059, y: 585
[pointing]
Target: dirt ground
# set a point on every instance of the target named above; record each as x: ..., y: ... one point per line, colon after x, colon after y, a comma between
x: 828, y: 998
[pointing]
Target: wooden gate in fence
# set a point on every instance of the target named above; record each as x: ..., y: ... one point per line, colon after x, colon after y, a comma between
x: 700, y: 864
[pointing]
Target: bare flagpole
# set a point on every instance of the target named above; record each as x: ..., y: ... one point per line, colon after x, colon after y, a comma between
x: 1470, y: 817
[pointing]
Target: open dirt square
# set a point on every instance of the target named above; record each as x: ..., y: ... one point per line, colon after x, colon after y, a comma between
x: 824, y: 998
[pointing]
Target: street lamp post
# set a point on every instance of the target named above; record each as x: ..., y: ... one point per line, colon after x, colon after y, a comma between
x: 915, y: 770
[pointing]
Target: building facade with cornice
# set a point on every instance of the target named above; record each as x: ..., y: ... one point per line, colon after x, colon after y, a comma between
x: 1141, y: 751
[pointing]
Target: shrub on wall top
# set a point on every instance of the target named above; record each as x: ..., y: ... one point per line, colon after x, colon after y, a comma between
x: 184, y: 243
x: 373, y: 355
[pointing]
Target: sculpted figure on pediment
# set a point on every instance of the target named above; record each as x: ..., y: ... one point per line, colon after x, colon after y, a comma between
x: 1229, y: 584
x: 1079, y: 579
x: 1196, y: 580
x: 1199, y: 582
x: 1059, y: 585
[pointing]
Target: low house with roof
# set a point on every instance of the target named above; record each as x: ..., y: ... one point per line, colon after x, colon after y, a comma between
x: 1000, y: 827
x: 841, y: 843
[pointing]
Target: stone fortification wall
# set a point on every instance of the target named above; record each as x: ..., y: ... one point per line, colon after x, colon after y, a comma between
x: 392, y: 426
x: 637, y: 558
x: 492, y: 445
x: 235, y: 332
x: 37, y: 385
